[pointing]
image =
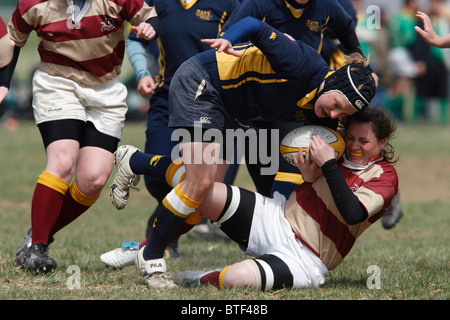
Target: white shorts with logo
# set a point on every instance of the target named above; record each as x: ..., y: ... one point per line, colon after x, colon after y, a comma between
x: 272, y: 234
x: 59, y: 98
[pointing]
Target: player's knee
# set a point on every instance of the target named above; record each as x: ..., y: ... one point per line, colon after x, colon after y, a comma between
x: 242, y: 274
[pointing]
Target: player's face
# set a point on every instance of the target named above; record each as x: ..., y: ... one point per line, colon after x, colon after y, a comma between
x: 333, y: 105
x: 361, y: 144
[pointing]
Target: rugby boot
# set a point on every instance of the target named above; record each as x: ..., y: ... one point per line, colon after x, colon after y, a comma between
x: 154, y: 272
x: 20, y: 257
x: 37, y: 259
x: 124, y: 178
x: 191, y: 278
x: 121, y: 257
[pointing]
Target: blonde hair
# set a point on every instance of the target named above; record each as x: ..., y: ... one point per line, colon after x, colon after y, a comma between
x: 357, y: 58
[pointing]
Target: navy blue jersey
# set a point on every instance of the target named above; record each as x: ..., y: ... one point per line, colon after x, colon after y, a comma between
x: 308, y: 25
x: 183, y: 28
x: 276, y: 78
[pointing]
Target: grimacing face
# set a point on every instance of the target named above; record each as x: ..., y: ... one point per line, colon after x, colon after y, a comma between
x: 361, y: 144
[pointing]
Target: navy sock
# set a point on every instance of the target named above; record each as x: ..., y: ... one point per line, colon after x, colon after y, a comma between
x: 166, y: 225
x: 150, y: 164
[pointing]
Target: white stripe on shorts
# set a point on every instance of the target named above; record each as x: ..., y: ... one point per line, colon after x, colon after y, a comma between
x: 269, y: 274
x: 234, y: 204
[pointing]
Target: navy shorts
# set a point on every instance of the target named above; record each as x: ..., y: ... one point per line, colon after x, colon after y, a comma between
x: 194, y: 101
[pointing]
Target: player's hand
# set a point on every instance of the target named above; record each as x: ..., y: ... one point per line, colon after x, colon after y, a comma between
x: 144, y: 30
x: 321, y: 151
x: 309, y: 169
x: 222, y: 45
x: 3, y: 93
x: 146, y: 86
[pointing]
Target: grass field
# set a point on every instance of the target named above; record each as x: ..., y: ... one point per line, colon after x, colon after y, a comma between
x: 413, y: 257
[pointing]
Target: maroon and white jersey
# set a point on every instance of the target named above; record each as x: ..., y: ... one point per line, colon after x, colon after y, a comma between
x: 87, y: 44
x: 5, y: 43
x: 316, y: 221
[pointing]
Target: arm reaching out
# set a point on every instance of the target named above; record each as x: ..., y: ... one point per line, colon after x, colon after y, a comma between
x: 222, y: 45
x: 428, y: 33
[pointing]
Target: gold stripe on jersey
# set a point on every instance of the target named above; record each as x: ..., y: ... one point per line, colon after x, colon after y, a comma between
x: 188, y: 5
x: 251, y: 62
x: 305, y: 101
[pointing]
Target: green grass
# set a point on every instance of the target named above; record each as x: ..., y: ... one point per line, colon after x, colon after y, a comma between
x: 413, y: 257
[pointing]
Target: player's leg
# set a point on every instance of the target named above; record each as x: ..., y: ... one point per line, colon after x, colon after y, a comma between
x: 61, y: 139
x: 182, y: 201
x: 94, y: 167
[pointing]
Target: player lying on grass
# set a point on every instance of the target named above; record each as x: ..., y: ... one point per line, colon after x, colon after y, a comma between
x: 297, y: 241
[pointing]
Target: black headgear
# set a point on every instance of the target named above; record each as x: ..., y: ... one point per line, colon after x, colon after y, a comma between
x: 354, y: 82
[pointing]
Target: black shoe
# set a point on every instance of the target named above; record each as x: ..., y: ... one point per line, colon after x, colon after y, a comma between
x: 20, y: 257
x: 393, y: 214
x: 37, y: 259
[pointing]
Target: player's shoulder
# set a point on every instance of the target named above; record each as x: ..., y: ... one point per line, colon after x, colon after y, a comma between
x: 24, y: 6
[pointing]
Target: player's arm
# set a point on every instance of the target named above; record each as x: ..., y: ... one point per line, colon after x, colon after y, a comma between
x: 244, y: 29
x: 137, y: 54
x: 428, y: 33
x: 149, y: 29
x: 6, y: 74
x: 351, y: 210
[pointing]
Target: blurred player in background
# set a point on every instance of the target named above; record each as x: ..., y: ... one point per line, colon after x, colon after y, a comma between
x: 78, y: 104
x: 297, y: 241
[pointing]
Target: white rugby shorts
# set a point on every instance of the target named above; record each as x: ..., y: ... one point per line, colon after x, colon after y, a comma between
x: 58, y: 98
x: 272, y: 234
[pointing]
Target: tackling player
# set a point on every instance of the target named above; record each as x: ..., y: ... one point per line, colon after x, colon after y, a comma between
x: 276, y: 78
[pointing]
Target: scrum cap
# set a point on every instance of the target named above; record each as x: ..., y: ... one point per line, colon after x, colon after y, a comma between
x: 354, y: 82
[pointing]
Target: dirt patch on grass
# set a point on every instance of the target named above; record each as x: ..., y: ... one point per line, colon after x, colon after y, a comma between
x: 424, y: 179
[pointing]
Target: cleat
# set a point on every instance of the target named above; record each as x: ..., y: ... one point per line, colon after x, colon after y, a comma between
x: 154, y: 272
x: 124, y: 178
x: 393, y: 214
x: 190, y: 278
x: 121, y: 257
x: 37, y: 259
x: 20, y: 257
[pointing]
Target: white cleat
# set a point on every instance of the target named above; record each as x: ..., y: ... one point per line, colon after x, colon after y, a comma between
x: 154, y: 272
x: 124, y: 178
x: 121, y: 257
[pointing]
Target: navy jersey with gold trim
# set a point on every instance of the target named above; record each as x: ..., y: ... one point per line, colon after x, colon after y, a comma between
x: 307, y: 25
x: 183, y: 27
x: 275, y: 78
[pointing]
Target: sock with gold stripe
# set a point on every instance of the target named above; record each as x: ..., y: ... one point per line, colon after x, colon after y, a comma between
x: 74, y: 204
x: 170, y: 216
x: 46, y: 205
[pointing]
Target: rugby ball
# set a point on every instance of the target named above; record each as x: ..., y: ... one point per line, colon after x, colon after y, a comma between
x: 301, y: 138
